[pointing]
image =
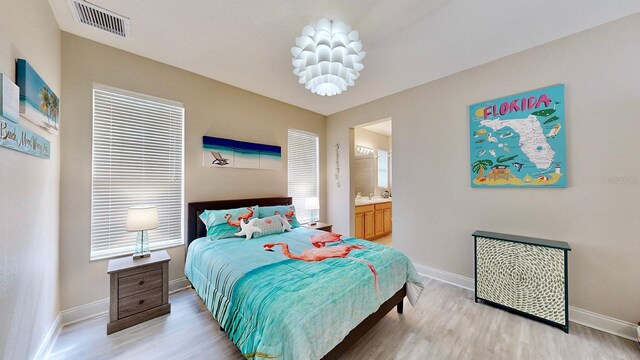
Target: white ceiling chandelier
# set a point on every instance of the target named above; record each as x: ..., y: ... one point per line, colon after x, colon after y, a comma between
x: 327, y: 57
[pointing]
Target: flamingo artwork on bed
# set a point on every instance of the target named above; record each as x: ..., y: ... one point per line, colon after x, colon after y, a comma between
x: 287, y: 215
x: 247, y: 215
x: 321, y: 239
x: 323, y: 253
x: 235, y: 223
x: 244, y: 216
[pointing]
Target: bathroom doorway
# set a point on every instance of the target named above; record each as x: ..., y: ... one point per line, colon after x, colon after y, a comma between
x: 372, y: 180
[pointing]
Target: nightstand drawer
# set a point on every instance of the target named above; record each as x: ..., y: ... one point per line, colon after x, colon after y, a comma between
x: 137, y: 283
x: 140, y: 302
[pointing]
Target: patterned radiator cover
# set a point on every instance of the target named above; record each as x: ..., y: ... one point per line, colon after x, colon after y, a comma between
x: 524, y: 277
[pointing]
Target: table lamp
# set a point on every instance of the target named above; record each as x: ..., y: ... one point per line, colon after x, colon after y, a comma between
x: 141, y: 219
x: 313, y: 204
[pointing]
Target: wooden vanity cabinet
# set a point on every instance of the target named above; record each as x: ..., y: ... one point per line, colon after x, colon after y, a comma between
x: 373, y: 221
x: 359, y: 224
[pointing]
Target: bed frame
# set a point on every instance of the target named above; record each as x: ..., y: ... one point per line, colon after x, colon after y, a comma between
x: 196, y: 229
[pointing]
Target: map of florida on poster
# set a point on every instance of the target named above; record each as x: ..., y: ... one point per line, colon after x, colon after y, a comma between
x: 518, y: 141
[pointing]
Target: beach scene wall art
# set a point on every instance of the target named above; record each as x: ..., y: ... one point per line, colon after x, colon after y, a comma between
x: 14, y: 137
x: 38, y: 103
x: 227, y: 153
x: 9, y: 99
x: 519, y: 140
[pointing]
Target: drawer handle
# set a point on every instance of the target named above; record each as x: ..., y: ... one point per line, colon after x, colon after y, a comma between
x: 141, y: 282
x: 141, y: 302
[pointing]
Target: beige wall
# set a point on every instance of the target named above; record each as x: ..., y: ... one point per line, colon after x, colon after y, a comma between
x: 436, y: 210
x: 211, y: 108
x: 29, y: 191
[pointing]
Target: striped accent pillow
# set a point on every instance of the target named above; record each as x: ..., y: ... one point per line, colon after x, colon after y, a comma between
x: 269, y: 225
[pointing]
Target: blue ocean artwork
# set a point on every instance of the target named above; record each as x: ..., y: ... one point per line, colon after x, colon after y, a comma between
x: 220, y: 152
x: 38, y: 103
x: 519, y: 140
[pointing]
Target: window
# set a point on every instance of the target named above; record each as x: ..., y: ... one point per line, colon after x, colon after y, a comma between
x: 302, y: 154
x: 137, y: 160
x: 383, y: 168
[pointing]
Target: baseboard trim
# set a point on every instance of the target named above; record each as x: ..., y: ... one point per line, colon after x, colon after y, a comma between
x: 604, y: 323
x: 179, y: 285
x: 84, y: 312
x: 445, y: 276
x: 584, y: 317
x: 47, y: 343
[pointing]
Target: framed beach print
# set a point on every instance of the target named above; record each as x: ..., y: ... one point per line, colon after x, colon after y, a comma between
x: 38, y: 103
x: 519, y: 140
x: 227, y: 153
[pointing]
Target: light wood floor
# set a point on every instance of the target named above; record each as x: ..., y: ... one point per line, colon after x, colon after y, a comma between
x: 445, y: 324
x: 385, y: 240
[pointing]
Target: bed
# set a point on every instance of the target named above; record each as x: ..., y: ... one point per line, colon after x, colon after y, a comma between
x: 275, y: 307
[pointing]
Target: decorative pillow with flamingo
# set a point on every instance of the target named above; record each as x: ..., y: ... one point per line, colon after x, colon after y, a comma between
x: 288, y: 211
x: 223, y: 224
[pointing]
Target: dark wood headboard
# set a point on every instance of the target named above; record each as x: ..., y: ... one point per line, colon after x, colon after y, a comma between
x: 195, y: 226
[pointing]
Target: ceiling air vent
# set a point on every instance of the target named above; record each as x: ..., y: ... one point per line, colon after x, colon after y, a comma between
x: 100, y: 18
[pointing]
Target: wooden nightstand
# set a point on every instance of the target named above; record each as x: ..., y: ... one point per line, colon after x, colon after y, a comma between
x: 319, y: 226
x: 139, y: 290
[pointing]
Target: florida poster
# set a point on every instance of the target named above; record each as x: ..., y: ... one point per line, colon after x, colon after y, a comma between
x: 519, y: 140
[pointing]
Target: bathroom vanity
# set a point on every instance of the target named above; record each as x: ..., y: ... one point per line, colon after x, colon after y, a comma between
x: 373, y: 218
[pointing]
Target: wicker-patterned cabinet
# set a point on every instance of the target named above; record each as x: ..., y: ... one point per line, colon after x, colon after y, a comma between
x: 524, y: 275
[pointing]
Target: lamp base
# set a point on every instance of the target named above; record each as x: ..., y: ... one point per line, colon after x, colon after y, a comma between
x: 313, y: 221
x: 142, y: 245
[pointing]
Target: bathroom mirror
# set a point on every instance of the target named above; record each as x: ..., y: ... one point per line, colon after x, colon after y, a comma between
x: 364, y: 171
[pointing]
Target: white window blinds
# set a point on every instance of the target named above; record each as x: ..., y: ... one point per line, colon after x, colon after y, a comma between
x: 302, y: 154
x: 137, y: 160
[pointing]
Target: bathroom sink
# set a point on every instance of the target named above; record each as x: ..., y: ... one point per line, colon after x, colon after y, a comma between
x: 374, y: 200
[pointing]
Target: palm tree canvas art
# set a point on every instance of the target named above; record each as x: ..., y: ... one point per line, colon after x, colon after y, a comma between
x: 38, y: 103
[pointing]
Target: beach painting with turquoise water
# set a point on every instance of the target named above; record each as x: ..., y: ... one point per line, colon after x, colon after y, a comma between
x: 38, y: 103
x: 227, y: 153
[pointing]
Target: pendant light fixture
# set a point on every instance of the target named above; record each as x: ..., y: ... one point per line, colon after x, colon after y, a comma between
x: 327, y: 57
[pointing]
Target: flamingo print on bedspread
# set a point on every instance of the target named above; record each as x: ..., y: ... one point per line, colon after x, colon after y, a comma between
x: 323, y: 253
x: 321, y: 239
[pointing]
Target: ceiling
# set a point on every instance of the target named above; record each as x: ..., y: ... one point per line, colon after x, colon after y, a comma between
x: 383, y: 127
x: 246, y: 43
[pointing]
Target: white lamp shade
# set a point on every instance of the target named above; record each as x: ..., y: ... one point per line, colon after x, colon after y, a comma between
x: 312, y: 203
x: 142, y: 218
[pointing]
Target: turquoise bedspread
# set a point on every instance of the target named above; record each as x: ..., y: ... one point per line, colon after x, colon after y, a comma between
x: 274, y: 307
